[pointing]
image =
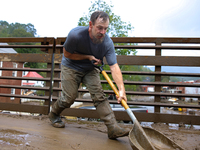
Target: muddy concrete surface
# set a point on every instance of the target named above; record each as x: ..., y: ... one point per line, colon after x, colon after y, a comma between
x: 20, y: 132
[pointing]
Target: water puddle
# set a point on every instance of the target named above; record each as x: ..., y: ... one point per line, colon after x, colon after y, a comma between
x: 13, y: 137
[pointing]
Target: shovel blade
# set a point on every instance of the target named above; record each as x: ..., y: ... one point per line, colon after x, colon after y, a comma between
x: 158, y: 141
x: 138, y: 138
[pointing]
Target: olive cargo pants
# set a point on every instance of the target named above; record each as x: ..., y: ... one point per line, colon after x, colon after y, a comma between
x: 70, y: 81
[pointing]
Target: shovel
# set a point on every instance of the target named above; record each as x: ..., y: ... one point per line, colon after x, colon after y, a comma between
x: 138, y: 136
x: 142, y: 140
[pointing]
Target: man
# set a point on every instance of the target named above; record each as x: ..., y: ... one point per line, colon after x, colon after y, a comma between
x: 84, y: 44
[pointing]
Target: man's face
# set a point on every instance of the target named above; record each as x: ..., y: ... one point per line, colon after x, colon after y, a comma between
x: 98, y: 30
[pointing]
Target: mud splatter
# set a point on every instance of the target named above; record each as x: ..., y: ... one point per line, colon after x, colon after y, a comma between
x: 13, y: 137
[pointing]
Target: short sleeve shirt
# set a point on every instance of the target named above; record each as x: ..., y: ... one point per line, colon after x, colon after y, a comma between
x: 78, y: 41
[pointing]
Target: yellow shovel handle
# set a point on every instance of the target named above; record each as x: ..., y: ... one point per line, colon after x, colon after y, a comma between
x: 123, y: 102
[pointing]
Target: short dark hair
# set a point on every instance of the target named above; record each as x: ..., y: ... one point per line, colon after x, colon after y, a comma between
x: 99, y: 14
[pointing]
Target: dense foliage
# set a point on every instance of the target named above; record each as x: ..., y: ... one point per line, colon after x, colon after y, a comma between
x: 16, y: 30
x: 22, y: 30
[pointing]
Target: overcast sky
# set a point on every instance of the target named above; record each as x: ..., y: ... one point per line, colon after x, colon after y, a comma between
x: 150, y: 18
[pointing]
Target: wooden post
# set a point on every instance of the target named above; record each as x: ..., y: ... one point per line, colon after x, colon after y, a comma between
x: 157, y: 79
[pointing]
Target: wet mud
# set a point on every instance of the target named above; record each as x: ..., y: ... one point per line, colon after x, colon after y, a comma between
x: 19, y: 132
x: 187, y: 136
x: 12, y: 137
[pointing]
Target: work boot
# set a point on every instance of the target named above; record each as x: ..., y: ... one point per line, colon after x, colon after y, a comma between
x: 106, y: 114
x: 54, y: 116
x: 115, y: 131
x: 56, y: 120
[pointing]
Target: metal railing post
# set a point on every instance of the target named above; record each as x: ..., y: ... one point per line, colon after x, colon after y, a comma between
x: 51, y: 79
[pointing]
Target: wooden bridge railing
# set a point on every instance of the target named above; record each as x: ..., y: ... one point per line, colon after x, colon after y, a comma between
x: 53, y: 55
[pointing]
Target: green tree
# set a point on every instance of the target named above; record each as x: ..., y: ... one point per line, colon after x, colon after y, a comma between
x: 4, y: 28
x: 16, y: 29
x: 175, y: 79
x: 21, y: 33
x: 22, y: 30
x: 165, y: 79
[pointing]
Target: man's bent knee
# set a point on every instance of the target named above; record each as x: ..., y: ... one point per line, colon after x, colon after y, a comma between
x: 66, y: 102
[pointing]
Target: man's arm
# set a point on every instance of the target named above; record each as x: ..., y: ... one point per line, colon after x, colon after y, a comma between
x: 117, y: 76
x: 76, y: 56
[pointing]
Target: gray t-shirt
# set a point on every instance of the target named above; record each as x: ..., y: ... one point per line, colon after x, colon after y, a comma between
x: 78, y: 41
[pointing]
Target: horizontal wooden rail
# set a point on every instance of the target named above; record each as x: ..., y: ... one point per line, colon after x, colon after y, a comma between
x: 30, y: 69
x: 146, y: 117
x: 157, y: 83
x: 27, y: 39
x: 159, y: 60
x: 26, y: 46
x: 157, y: 47
x: 24, y: 78
x: 144, y: 103
x: 25, y: 87
x: 157, y: 73
x: 26, y: 69
x: 151, y: 60
x: 178, y: 40
x: 151, y: 47
x: 26, y: 57
x: 25, y: 96
x: 157, y: 94
x: 24, y: 108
